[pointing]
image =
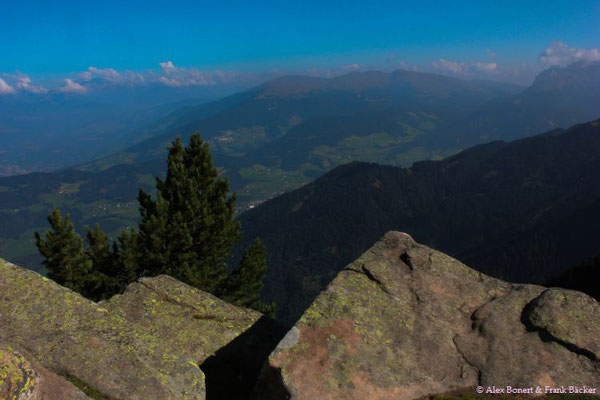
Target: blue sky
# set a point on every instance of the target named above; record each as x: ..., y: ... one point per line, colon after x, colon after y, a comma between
x: 43, y: 38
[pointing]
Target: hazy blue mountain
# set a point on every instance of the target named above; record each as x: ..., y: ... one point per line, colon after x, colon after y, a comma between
x: 283, y: 133
x: 47, y: 131
x: 463, y: 113
x: 243, y: 122
x: 559, y: 97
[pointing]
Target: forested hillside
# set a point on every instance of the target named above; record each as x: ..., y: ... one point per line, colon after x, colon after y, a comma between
x: 522, y: 211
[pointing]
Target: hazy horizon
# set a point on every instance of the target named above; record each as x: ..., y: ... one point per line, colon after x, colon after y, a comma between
x: 65, y: 46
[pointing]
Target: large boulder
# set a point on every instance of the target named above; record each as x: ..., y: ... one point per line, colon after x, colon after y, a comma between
x: 405, y: 321
x: 152, y: 342
x: 229, y: 343
x: 85, y: 343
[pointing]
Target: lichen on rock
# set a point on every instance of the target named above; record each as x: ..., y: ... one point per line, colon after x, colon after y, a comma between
x: 196, y: 323
x: 569, y: 317
x: 154, y: 341
x: 18, y: 380
x: 23, y: 379
x: 405, y: 321
x: 76, y: 337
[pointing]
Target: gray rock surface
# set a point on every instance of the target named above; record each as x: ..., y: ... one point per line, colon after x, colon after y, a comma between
x: 148, y: 343
x: 405, y: 321
x: 85, y: 343
x: 569, y: 317
x: 22, y: 379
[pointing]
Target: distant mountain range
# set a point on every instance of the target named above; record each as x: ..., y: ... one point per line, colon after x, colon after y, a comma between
x: 290, y: 130
x: 524, y: 211
x: 410, y: 103
x: 48, y: 131
x: 558, y: 98
x: 285, y: 133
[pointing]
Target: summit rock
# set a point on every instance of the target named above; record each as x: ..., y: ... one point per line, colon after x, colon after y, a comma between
x: 405, y: 321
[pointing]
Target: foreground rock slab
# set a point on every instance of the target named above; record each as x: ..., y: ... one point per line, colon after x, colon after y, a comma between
x: 22, y: 379
x: 405, y: 321
x: 229, y: 343
x: 152, y: 342
x: 86, y: 344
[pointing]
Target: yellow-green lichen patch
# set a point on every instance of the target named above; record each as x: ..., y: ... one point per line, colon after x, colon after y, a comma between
x: 196, y: 323
x: 406, y: 321
x: 72, y: 335
x: 17, y: 377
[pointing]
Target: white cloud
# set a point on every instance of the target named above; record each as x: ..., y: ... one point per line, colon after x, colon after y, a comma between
x: 490, y: 53
x: 108, y: 74
x: 449, y: 66
x: 177, y: 76
x: 167, y: 67
x: 5, y: 88
x: 72, y: 87
x: 465, y: 69
x: 558, y: 53
x: 167, y: 74
x: 113, y: 76
x: 170, y: 82
x: 133, y: 78
x: 485, y: 67
x: 86, y: 75
x: 24, y: 83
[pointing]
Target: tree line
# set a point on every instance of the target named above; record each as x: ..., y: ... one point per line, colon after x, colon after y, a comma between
x: 186, y: 231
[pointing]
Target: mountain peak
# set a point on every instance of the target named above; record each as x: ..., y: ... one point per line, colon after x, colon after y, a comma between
x: 579, y: 75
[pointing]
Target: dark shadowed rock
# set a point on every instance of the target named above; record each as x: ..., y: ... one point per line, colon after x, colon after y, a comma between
x: 405, y: 321
x: 89, y: 345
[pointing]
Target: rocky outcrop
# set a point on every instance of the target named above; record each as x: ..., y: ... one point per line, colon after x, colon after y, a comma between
x: 405, y: 321
x: 229, y: 343
x: 84, y: 342
x: 22, y: 379
x: 401, y: 322
x: 149, y: 343
x: 567, y: 317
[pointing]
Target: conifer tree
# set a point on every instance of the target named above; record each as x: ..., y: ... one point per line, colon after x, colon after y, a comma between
x: 98, y: 248
x: 187, y: 232
x: 99, y: 284
x: 245, y: 283
x: 125, y: 258
x: 62, y: 248
x: 189, y: 229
